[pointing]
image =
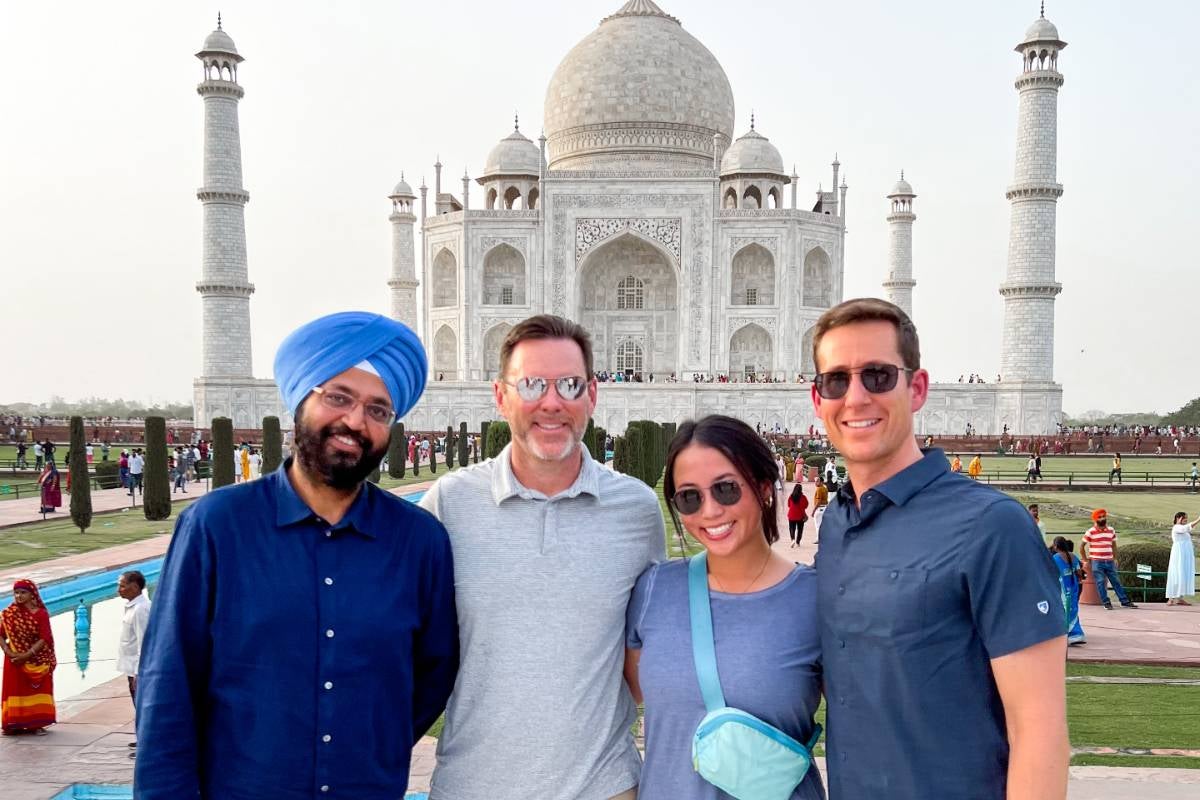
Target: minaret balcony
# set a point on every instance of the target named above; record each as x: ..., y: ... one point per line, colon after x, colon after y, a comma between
x: 1039, y: 79
x: 1034, y: 191
x: 212, y: 194
x: 1022, y: 289
x: 223, y: 289
x: 218, y: 87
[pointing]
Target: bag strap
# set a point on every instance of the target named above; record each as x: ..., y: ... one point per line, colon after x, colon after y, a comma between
x: 704, y: 651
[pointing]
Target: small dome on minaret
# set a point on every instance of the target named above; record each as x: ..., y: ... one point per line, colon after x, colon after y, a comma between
x: 219, y: 42
x: 513, y: 155
x: 902, y: 188
x: 402, y: 189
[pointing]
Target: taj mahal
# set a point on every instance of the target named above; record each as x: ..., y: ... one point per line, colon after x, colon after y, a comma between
x: 641, y: 212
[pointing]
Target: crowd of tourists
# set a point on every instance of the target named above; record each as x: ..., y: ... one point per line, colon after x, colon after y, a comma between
x: 530, y: 600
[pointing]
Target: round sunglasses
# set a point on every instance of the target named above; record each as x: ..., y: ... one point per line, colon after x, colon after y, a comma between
x: 533, y: 388
x: 688, y: 501
x: 875, y: 378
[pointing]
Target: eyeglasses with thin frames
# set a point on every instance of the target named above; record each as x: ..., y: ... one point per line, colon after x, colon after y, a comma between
x: 345, y: 403
x: 875, y: 378
x: 534, y: 388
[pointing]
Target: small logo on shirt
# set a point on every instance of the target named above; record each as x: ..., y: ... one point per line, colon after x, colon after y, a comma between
x: 1044, y: 607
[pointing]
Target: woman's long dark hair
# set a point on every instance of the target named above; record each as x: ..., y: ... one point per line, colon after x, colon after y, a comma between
x: 797, y: 492
x: 744, y: 448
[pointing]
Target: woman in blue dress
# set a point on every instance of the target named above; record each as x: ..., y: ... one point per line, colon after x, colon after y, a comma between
x: 719, y: 483
x: 1070, y: 574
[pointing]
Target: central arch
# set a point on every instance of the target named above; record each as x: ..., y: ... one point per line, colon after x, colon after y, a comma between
x: 750, y: 351
x: 615, y: 308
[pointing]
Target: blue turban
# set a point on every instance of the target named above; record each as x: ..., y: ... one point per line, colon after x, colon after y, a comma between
x: 325, y: 347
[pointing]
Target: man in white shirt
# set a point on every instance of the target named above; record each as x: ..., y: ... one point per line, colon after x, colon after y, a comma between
x: 131, y: 586
x: 137, y: 465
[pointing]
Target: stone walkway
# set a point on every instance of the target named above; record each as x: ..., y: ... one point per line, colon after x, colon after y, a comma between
x: 89, y: 745
x: 19, y: 512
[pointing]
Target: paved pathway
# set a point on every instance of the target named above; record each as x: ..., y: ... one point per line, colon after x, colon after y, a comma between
x: 19, y: 512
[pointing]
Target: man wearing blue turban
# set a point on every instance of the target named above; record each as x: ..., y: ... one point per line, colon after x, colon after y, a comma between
x: 304, y: 632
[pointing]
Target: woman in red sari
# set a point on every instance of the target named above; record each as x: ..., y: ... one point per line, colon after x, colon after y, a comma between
x: 51, y: 485
x: 27, y: 697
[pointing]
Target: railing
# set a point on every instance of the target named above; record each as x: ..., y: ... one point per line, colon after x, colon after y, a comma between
x: 1126, y: 574
x: 1072, y: 477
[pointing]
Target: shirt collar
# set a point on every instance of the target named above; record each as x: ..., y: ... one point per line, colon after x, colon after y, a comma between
x: 137, y: 601
x: 506, y: 485
x: 290, y: 509
x: 902, y: 486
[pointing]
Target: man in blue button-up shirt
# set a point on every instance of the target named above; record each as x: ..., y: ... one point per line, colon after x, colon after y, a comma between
x: 941, y: 616
x: 304, y: 633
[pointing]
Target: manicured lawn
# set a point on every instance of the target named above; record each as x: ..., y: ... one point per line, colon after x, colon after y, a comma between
x: 1134, y: 715
x: 57, y: 536
x: 1070, y: 513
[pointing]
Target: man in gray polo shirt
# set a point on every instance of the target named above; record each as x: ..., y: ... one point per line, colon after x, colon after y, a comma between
x: 547, y: 547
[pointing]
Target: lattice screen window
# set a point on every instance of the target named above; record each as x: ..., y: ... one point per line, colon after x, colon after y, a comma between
x: 506, y: 296
x: 629, y: 357
x: 630, y: 293
x: 752, y: 297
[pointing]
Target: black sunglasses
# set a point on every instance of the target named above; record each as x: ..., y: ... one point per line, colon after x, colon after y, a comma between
x: 876, y: 379
x: 726, y: 492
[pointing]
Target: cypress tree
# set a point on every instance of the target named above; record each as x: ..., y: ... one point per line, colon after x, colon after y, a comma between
x: 156, y: 493
x: 462, y: 444
x: 620, y: 460
x: 635, y: 445
x: 81, y: 484
x: 220, y: 454
x: 397, y: 450
x: 599, y: 452
x: 417, y: 457
x: 432, y: 454
x: 498, y: 435
x: 451, y: 447
x: 589, y: 436
x: 483, y: 429
x: 272, y: 445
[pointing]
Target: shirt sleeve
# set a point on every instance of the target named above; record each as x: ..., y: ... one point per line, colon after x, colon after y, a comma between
x: 173, y: 672
x: 1012, y: 582
x: 436, y: 647
x: 429, y: 501
x: 636, y: 611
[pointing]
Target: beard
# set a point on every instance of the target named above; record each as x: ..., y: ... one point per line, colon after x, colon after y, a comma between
x: 334, y: 468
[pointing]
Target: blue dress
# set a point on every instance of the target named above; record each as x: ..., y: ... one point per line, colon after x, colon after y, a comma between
x: 1071, y: 591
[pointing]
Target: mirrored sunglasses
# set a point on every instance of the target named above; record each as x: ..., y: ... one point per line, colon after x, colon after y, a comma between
x: 876, y: 379
x: 534, y: 388
x: 688, y: 501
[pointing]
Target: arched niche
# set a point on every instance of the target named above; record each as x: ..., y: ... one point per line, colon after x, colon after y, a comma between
x: 445, y: 279
x: 752, y: 279
x: 492, y: 340
x: 445, y: 354
x: 750, y: 351
x: 752, y: 198
x: 504, y: 276
x: 818, y: 279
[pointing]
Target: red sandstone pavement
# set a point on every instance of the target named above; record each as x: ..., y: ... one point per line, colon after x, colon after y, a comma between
x: 19, y: 512
x: 89, y: 743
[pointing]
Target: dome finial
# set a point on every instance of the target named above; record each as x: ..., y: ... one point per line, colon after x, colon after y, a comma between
x: 516, y: 121
x: 1043, y: 9
x: 752, y: 119
x: 901, y: 174
x: 218, y: 20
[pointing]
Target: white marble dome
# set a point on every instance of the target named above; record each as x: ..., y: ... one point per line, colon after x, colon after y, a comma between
x: 1042, y: 30
x: 219, y: 42
x: 402, y: 189
x: 639, y: 91
x: 752, y: 153
x: 902, y: 187
x: 513, y: 155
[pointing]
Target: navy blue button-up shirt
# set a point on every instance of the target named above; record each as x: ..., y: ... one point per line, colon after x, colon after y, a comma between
x: 934, y: 576
x: 287, y: 658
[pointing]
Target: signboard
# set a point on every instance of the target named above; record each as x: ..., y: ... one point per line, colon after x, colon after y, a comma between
x: 1143, y: 571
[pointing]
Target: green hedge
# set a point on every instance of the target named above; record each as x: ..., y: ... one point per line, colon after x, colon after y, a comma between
x: 498, y: 437
x: 272, y: 445
x: 81, y: 484
x: 108, y: 474
x: 221, y: 452
x: 1157, y: 555
x: 156, y: 492
x: 599, y: 452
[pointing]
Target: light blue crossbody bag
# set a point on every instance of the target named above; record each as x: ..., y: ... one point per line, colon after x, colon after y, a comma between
x: 736, y: 752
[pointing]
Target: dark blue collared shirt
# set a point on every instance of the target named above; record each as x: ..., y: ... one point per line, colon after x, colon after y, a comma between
x: 918, y: 590
x: 287, y: 658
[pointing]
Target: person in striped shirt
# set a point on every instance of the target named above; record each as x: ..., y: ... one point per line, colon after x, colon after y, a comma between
x: 1100, y: 546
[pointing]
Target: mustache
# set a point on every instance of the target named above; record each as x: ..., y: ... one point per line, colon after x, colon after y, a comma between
x: 342, y: 430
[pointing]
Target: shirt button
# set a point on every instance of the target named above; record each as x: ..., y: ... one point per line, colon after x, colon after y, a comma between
x: 327, y: 738
x: 841, y: 590
x: 329, y: 633
x: 325, y: 788
x: 328, y: 534
x: 329, y: 581
x: 328, y: 685
x: 842, y: 701
x: 895, y: 574
x: 841, y: 643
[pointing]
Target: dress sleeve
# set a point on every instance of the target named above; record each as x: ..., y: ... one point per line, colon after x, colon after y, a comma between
x: 173, y: 673
x: 1012, y: 581
x: 436, y: 646
x: 639, y: 601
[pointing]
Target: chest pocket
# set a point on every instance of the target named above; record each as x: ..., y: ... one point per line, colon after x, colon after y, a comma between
x: 885, y: 602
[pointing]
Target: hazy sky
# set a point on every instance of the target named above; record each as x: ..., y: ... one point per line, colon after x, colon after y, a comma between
x: 102, y: 132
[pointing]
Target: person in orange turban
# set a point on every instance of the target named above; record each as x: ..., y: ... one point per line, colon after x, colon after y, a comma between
x: 1099, y: 514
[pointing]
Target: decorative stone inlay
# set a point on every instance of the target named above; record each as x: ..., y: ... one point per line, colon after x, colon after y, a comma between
x: 591, y: 232
x: 734, y: 324
x: 771, y: 243
x: 516, y: 243
x: 780, y: 213
x: 494, y: 213
x: 694, y: 269
x: 653, y: 174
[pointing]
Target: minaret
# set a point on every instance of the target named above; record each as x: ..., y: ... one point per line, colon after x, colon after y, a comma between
x: 1029, y: 288
x: 842, y: 200
x: 899, y: 284
x: 224, y: 288
x: 837, y: 165
x: 404, y: 270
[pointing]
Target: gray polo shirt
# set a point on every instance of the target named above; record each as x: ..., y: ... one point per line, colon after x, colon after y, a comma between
x: 540, y: 708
